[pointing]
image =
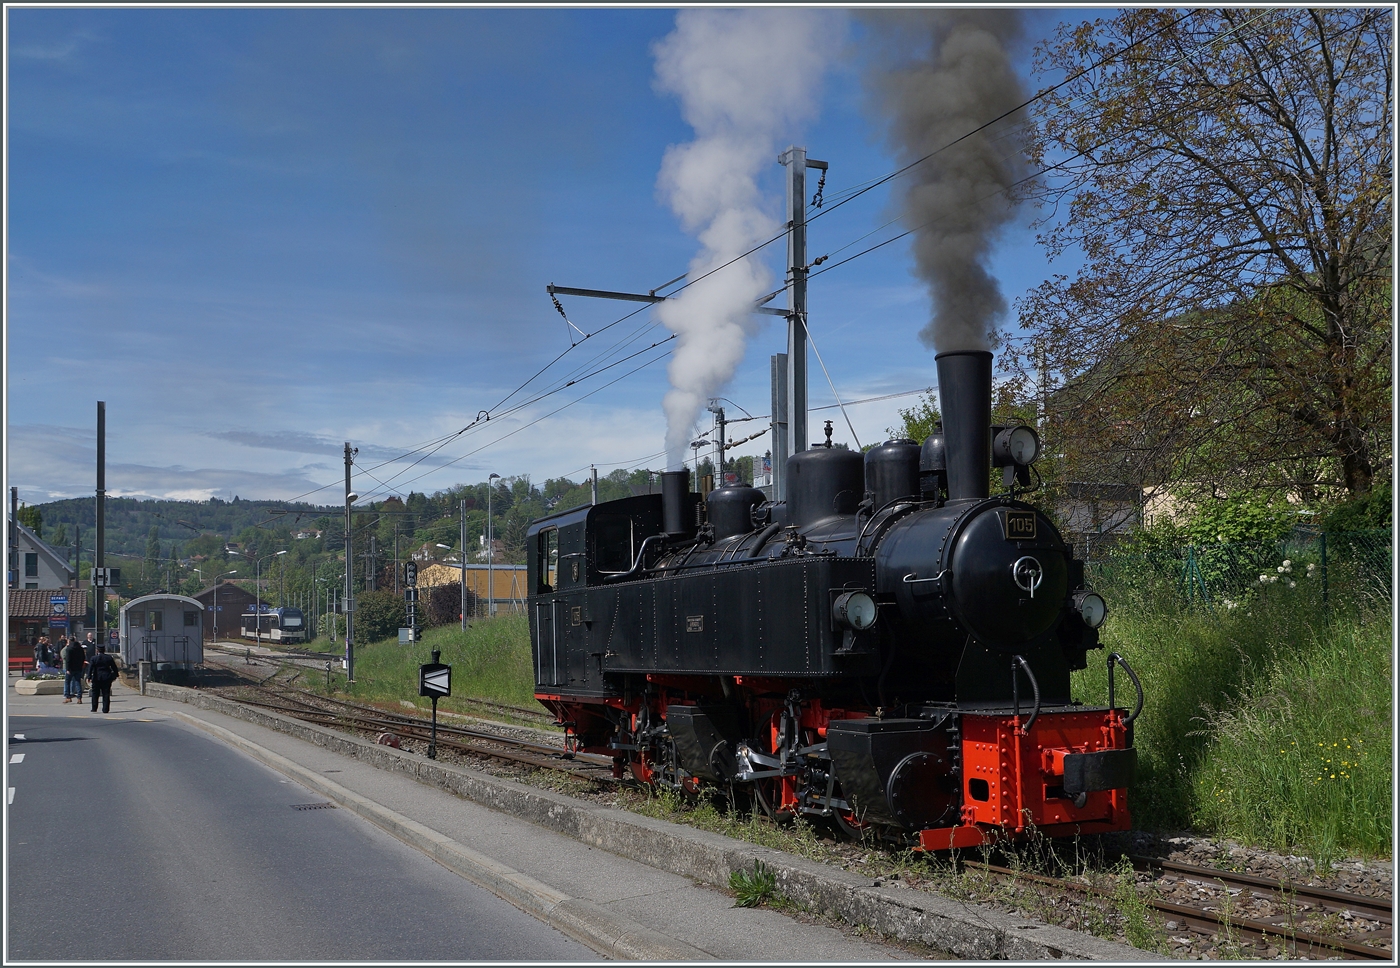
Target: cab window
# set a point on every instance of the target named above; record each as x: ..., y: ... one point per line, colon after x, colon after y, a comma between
x: 547, y: 561
x: 612, y: 543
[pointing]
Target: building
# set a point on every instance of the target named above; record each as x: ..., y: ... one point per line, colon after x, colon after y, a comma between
x: 510, y: 583
x: 38, y: 563
x: 497, y: 553
x: 33, y: 612
x: 1094, y: 515
x: 224, y: 604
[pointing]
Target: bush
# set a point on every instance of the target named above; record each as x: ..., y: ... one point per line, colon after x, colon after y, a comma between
x: 1369, y: 512
x: 379, y: 615
x: 443, y: 605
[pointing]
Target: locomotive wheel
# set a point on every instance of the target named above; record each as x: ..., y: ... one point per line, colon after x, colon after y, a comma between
x: 768, y: 795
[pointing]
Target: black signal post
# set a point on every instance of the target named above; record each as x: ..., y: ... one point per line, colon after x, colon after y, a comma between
x: 434, y: 681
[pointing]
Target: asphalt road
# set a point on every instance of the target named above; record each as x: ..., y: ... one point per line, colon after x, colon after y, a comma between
x: 135, y: 837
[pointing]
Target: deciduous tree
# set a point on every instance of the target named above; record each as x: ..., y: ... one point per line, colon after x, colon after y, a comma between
x: 1227, y: 174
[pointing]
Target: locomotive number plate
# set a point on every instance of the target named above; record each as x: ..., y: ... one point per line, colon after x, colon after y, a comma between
x: 1020, y: 525
x: 576, y: 615
x: 695, y: 623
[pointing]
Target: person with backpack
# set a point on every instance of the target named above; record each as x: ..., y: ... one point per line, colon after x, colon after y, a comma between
x: 73, y: 657
x: 102, y: 672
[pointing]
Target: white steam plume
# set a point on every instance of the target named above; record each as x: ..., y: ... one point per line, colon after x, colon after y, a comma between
x: 745, y: 79
x: 941, y: 74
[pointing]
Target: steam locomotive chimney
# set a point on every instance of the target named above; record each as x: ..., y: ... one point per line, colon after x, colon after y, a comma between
x: 965, y: 395
x: 675, y: 489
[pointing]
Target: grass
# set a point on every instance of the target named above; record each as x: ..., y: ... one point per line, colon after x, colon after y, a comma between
x: 753, y: 888
x: 491, y: 660
x: 1243, y: 706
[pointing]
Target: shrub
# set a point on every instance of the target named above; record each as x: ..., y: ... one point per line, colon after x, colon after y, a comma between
x: 379, y: 615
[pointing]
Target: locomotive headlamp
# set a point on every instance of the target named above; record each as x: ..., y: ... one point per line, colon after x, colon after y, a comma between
x: 1018, y: 446
x: 1091, y: 608
x: 854, y: 610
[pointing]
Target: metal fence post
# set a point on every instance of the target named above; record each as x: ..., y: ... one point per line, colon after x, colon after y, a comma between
x: 1324, y: 572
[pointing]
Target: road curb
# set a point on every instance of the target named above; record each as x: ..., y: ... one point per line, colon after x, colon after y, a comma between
x: 607, y: 933
x: 964, y: 929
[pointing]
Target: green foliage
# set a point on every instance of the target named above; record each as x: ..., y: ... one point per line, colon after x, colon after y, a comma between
x: 1371, y: 510
x: 1238, y: 520
x: 32, y: 518
x: 379, y: 615
x: 753, y: 889
x: 920, y: 420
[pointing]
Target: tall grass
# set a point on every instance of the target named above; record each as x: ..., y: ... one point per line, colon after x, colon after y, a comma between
x: 491, y: 660
x: 1228, y: 689
x: 1305, y: 758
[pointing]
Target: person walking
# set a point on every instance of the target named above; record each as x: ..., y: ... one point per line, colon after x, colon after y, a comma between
x: 74, y: 658
x: 102, y: 672
x: 42, y: 655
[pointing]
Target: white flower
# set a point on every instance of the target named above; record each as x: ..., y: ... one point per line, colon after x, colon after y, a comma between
x: 1311, y: 567
x: 1280, y: 569
x: 1263, y: 578
x: 1287, y: 563
x: 1293, y: 584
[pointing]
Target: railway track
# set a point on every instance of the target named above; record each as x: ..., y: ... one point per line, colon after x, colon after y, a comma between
x: 480, y: 743
x: 1290, y: 907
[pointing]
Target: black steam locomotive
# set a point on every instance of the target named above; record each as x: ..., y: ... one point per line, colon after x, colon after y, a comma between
x: 889, y: 648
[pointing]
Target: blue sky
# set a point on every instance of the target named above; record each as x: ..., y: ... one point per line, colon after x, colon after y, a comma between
x: 258, y: 233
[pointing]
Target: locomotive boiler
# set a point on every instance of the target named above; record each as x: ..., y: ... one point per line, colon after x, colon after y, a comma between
x: 889, y: 649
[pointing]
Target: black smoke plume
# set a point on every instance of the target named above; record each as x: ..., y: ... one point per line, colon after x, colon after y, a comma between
x: 939, y: 75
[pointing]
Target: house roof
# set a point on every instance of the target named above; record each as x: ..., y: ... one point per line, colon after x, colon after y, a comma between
x: 34, y: 602
x: 57, y: 561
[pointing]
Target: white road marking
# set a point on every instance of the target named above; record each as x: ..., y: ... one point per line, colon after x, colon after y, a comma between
x: 19, y: 736
x: 16, y: 757
x: 12, y: 795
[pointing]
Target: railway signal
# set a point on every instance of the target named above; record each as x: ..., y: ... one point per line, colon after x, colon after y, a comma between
x: 435, y: 681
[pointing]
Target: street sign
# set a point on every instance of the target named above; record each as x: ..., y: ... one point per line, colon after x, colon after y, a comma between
x: 58, y: 605
x: 405, y: 636
x: 434, y: 679
x: 216, y: 608
x: 410, y: 573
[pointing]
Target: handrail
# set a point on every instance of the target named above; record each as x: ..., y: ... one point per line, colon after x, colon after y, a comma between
x: 1016, y: 692
x: 1114, y: 657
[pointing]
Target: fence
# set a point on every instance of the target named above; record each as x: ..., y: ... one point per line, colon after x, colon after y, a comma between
x: 1346, y: 569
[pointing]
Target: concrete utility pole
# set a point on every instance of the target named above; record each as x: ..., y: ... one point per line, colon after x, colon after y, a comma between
x: 778, y: 366
x: 350, y: 498
x: 797, y: 163
x: 371, y: 567
x: 595, y: 484
x: 99, y: 604
x: 14, y: 538
x: 464, y: 564
x: 490, y: 551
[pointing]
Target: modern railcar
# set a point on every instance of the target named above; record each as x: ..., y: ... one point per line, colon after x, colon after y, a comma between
x: 274, y: 624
